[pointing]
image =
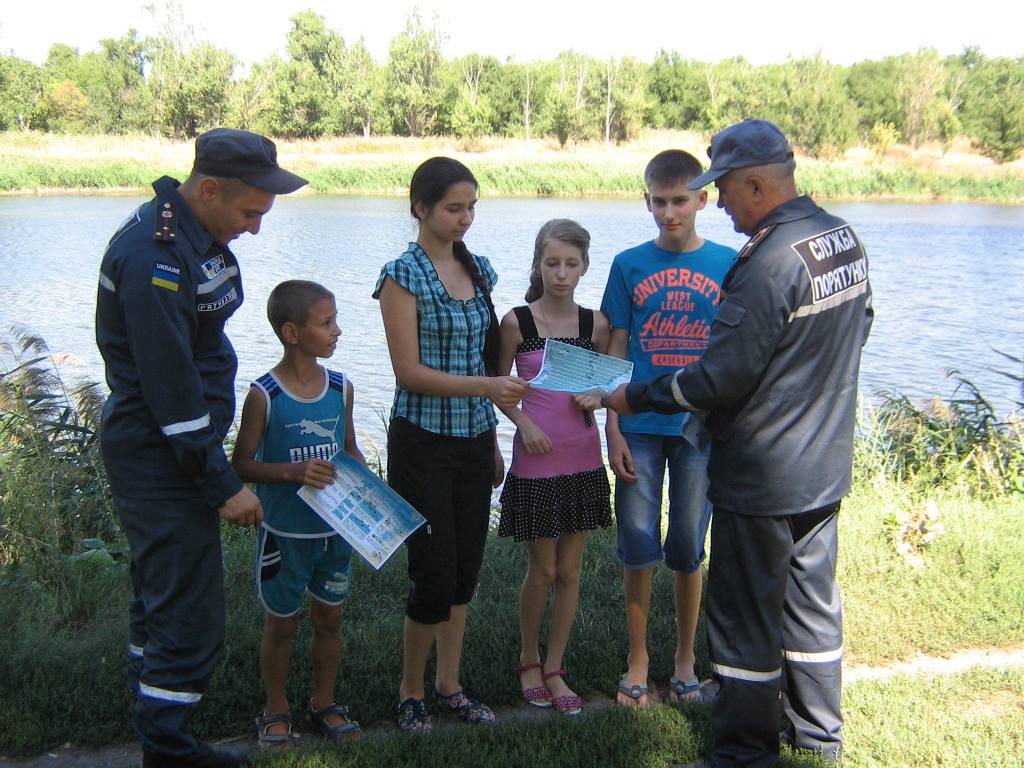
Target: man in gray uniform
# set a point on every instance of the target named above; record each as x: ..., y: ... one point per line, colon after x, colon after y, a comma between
x: 778, y: 384
x: 168, y: 283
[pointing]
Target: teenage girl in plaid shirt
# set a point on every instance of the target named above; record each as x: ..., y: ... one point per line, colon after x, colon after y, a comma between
x: 443, y: 457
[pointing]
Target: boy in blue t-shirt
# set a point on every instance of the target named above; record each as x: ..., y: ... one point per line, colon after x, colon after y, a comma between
x: 294, y: 419
x: 661, y: 299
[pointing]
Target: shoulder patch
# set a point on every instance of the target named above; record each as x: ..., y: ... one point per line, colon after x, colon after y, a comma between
x: 834, y: 261
x: 166, y: 276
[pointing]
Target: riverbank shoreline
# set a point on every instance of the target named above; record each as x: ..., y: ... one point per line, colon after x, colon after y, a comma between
x: 50, y: 164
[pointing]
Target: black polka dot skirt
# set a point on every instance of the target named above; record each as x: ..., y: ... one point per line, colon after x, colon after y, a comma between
x: 549, y: 507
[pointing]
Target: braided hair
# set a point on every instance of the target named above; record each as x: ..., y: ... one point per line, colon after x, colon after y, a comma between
x: 430, y: 183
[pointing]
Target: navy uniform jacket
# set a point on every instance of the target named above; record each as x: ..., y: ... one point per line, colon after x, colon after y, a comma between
x: 166, y: 289
x: 779, y: 378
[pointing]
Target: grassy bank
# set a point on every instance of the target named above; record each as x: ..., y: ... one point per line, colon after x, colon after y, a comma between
x: 931, y: 561
x: 66, y: 654
x: 39, y: 164
x: 972, y: 720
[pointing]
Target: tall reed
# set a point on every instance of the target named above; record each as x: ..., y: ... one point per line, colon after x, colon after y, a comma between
x: 54, y: 497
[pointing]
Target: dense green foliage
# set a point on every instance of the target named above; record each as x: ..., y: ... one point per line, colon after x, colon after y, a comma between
x: 177, y: 85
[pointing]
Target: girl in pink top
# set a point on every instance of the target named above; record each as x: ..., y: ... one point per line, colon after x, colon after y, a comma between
x: 557, y: 487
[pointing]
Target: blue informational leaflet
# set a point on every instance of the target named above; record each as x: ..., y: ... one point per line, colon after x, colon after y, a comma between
x: 567, y: 368
x: 364, y: 510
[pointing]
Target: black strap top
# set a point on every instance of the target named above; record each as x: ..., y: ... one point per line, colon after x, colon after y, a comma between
x: 528, y: 326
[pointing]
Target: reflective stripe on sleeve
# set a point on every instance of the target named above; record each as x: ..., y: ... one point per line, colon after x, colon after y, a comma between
x: 747, y: 674
x: 179, y: 697
x: 677, y: 395
x: 107, y: 283
x: 815, y: 658
x: 136, y: 651
x: 211, y: 285
x: 186, y: 426
x: 830, y: 303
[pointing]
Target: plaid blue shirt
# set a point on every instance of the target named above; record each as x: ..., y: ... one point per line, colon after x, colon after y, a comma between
x: 451, y: 336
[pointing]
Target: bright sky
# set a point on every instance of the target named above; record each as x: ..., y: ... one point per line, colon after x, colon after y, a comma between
x: 761, y: 30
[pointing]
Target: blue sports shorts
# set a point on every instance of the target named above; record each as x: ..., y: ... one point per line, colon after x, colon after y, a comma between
x: 287, y: 568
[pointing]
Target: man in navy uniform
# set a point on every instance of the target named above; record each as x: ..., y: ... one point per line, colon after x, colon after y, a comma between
x: 168, y: 283
x: 778, y: 385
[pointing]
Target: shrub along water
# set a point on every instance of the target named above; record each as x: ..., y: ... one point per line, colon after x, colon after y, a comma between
x: 960, y: 442
x: 53, y: 489
x: 542, y: 178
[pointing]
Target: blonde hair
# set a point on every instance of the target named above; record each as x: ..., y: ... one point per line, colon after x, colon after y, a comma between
x: 565, y: 231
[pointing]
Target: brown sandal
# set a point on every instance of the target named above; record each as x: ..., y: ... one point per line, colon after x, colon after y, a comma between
x: 265, y: 740
x: 347, y: 730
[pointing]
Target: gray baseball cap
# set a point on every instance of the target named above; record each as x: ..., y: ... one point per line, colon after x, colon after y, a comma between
x: 742, y: 145
x: 234, y: 154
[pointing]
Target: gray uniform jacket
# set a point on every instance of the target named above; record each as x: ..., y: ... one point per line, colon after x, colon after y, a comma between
x: 779, y: 377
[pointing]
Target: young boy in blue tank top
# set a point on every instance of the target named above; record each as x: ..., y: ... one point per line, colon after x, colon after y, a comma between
x: 661, y: 299
x: 294, y: 418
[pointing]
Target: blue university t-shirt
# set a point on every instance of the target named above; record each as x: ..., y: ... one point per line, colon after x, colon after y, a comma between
x: 667, y: 301
x: 298, y: 429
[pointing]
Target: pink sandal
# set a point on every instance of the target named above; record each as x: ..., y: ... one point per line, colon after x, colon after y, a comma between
x: 568, y: 703
x: 538, y: 695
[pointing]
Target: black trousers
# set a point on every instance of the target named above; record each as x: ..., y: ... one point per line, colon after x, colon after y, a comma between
x: 176, y: 615
x: 774, y: 625
x: 447, y: 480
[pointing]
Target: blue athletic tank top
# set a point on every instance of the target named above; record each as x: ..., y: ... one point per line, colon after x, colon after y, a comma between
x: 298, y: 429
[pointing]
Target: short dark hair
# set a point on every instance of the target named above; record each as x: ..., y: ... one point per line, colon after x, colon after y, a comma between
x: 291, y: 300
x: 673, y: 166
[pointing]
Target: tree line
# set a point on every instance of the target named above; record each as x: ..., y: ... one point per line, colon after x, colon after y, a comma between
x: 176, y: 85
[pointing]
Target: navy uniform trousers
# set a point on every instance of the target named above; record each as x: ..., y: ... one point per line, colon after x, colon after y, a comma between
x: 774, y: 625
x: 176, y: 615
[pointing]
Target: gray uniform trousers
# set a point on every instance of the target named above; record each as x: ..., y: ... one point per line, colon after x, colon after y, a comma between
x: 774, y: 625
x: 176, y: 616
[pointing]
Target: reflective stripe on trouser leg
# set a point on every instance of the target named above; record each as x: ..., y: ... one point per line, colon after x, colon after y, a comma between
x: 813, y: 637
x: 136, y: 631
x: 178, y: 579
x: 746, y: 592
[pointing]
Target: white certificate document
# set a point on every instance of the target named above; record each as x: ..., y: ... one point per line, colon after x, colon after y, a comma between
x: 364, y: 510
x: 567, y: 368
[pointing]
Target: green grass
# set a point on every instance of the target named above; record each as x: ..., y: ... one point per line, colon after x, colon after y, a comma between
x: 970, y: 720
x: 907, y: 181
x: 964, y: 595
x: 65, y: 656
x: 19, y: 174
x: 64, y: 595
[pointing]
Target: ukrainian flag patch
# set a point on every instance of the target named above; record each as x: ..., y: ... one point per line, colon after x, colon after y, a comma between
x: 166, y: 276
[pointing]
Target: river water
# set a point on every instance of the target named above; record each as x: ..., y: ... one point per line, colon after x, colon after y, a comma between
x: 946, y: 279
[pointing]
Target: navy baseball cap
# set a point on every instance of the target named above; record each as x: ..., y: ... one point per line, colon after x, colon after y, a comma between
x: 742, y: 145
x: 246, y: 156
